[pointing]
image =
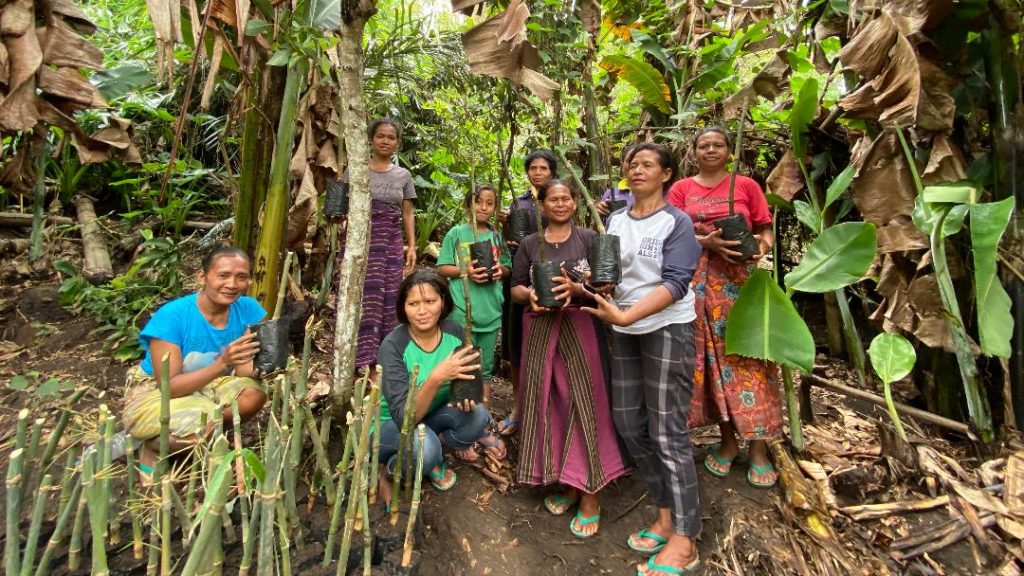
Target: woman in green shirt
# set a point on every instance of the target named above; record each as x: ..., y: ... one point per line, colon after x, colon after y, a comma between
x: 426, y: 338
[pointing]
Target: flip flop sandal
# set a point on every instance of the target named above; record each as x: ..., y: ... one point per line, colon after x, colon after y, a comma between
x: 508, y: 426
x: 558, y: 504
x: 724, y: 463
x: 690, y: 568
x: 659, y: 542
x: 145, y: 474
x: 494, y: 446
x: 583, y: 522
x: 437, y: 478
x: 761, y: 471
x: 467, y: 456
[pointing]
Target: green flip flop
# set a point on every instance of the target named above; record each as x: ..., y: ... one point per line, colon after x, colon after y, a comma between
x: 437, y: 478
x: 645, y: 533
x: 761, y: 470
x: 554, y: 502
x: 725, y: 463
x: 583, y: 522
x: 690, y: 568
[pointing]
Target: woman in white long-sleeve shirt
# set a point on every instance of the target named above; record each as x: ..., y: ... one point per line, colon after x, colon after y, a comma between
x: 653, y: 356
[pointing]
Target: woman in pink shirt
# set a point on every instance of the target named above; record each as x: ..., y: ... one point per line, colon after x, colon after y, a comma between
x: 740, y: 394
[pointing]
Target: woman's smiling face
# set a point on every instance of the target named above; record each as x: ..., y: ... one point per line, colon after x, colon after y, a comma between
x: 385, y: 140
x: 646, y: 175
x: 712, y: 150
x: 226, y: 279
x: 558, y: 204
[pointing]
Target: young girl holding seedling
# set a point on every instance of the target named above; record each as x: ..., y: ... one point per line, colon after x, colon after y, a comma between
x: 485, y: 290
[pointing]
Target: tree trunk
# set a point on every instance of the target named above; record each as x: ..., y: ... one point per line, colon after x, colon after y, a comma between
x: 267, y: 266
x: 246, y: 206
x: 39, y: 193
x: 590, y: 14
x: 352, y: 107
x: 97, y: 267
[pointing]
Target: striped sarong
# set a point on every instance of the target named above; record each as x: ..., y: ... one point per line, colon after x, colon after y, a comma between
x: 383, y: 276
x: 567, y: 432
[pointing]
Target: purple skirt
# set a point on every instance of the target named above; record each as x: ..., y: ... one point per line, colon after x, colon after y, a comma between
x: 384, y: 267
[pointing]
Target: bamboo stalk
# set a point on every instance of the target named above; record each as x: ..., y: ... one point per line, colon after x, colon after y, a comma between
x: 240, y: 484
x: 282, y: 287
x: 268, y: 495
x: 66, y: 510
x: 584, y: 193
x: 21, y: 430
x: 68, y: 478
x: 58, y: 429
x: 417, y: 490
x: 322, y: 461
x: 247, y: 545
x: 97, y: 504
x: 31, y: 451
x: 210, y: 524
x: 39, y: 198
x: 332, y: 531
x: 109, y: 520
x: 213, y: 554
x: 407, y: 424
x: 37, y: 520
x: 184, y: 517
x: 796, y: 431
x: 375, y: 451
x: 286, y: 558
x: 353, y: 495
x: 133, y: 496
x: 78, y: 526
x: 12, y: 544
x: 165, y: 526
x: 165, y: 415
x: 367, y: 528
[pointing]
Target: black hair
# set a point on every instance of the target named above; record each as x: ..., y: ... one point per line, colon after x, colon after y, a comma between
x: 709, y: 130
x: 424, y: 276
x: 627, y: 152
x: 542, y: 190
x: 372, y: 129
x: 475, y: 195
x: 545, y: 155
x: 665, y: 160
x: 222, y: 251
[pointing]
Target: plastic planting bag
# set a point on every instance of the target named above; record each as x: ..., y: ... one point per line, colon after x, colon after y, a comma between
x: 543, y: 272
x: 483, y: 253
x: 519, y: 224
x: 734, y: 227
x: 469, y: 389
x: 273, y: 338
x: 614, y: 205
x: 605, y: 262
x: 336, y: 200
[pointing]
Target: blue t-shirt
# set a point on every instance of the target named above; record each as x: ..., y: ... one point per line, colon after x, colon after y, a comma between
x: 181, y: 323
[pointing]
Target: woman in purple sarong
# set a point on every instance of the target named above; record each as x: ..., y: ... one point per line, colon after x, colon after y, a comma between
x: 391, y: 218
x: 567, y: 432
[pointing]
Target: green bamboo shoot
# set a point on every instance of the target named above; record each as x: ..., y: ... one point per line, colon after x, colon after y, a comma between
x: 12, y: 545
x: 421, y: 438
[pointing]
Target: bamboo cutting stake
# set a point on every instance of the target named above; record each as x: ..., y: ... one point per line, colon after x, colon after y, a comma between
x: 407, y: 422
x: 210, y: 524
x: 31, y: 451
x: 268, y: 496
x: 350, y: 441
x: 12, y: 545
x: 58, y: 430
x: 353, y: 495
x: 375, y: 453
x: 421, y: 438
x: 165, y: 525
x: 240, y: 487
x: 57, y: 537
x: 584, y: 192
x: 75, y: 547
x: 133, y: 496
x: 96, y: 478
x: 37, y: 520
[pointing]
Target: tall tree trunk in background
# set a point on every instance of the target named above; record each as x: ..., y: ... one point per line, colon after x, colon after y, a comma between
x: 352, y: 107
x: 590, y: 15
x: 1008, y: 148
x: 267, y: 263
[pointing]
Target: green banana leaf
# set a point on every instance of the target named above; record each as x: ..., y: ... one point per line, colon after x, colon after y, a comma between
x: 892, y: 356
x: 804, y: 110
x: 995, y: 323
x: 764, y: 324
x: 840, y: 256
x: 838, y: 186
x: 807, y: 215
x: 644, y: 77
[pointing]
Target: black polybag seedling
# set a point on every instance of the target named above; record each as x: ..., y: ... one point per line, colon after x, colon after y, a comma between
x: 483, y: 253
x: 543, y: 285
x: 469, y: 389
x: 734, y: 227
x: 273, y: 338
x: 605, y: 264
x: 336, y: 200
x: 519, y: 224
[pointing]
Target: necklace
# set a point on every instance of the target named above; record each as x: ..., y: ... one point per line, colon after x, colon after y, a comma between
x: 557, y: 243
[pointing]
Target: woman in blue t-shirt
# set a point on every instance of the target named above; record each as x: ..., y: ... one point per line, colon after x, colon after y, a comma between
x: 211, y: 356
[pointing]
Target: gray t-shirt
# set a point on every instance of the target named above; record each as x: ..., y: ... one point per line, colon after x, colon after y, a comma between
x: 392, y: 185
x: 659, y: 249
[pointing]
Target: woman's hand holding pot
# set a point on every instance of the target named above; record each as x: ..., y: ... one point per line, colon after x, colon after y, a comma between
x: 715, y: 243
x: 461, y: 365
x: 240, y: 351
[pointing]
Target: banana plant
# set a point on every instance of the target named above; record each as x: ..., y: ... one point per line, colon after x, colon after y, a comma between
x: 763, y: 322
x: 892, y: 358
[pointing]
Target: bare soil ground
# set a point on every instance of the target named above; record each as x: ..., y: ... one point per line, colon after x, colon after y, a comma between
x: 476, y: 530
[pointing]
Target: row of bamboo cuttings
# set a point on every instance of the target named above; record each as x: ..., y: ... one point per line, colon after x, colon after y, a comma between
x: 189, y: 515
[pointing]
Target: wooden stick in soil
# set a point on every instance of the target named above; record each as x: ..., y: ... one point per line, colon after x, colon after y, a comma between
x: 21, y: 430
x: 282, y: 288
x: 353, y: 494
x: 407, y: 423
x: 133, y: 496
x: 584, y: 193
x: 375, y: 452
x: 417, y: 489
x: 12, y: 544
x: 240, y: 487
x: 332, y: 532
x: 165, y: 526
x: 56, y: 539
x: 97, y: 267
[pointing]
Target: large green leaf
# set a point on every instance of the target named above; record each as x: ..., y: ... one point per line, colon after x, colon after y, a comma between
x: 995, y: 323
x: 838, y: 186
x: 325, y: 14
x: 805, y: 107
x: 840, y: 256
x: 644, y: 77
x: 892, y: 356
x: 955, y: 193
x: 764, y: 324
x: 806, y: 214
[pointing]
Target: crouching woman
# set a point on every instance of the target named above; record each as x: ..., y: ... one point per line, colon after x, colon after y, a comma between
x: 211, y: 353
x: 426, y: 338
